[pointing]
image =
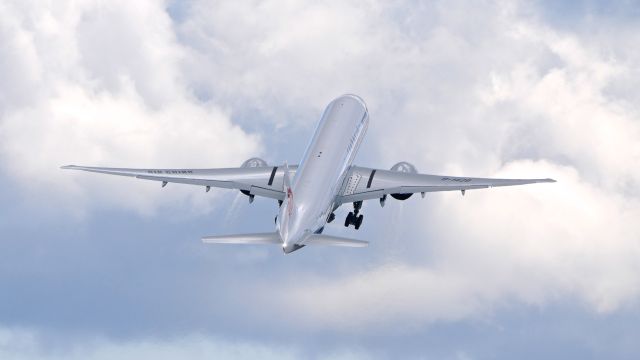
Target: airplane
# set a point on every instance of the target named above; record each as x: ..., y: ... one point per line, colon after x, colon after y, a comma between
x: 309, y: 194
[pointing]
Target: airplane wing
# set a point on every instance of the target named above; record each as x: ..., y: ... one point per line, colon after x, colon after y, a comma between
x: 365, y: 183
x: 264, y: 181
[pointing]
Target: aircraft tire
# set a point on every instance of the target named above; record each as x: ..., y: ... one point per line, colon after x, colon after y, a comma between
x: 349, y: 220
x: 358, y: 221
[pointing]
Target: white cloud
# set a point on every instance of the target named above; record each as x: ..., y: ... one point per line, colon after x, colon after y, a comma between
x: 27, y: 345
x: 476, y: 89
x: 97, y: 83
x: 536, y: 245
x: 497, y: 94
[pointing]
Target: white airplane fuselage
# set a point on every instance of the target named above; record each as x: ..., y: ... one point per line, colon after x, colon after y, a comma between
x: 321, y: 173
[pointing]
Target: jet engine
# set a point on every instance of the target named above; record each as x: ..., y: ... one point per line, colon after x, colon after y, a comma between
x: 254, y: 162
x: 405, y: 167
x: 251, y: 163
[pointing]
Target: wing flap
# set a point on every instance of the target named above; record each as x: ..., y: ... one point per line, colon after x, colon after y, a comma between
x: 376, y: 194
x: 196, y: 181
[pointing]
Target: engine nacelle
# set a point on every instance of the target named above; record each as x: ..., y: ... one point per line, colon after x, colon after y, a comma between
x: 252, y: 163
x: 405, y: 167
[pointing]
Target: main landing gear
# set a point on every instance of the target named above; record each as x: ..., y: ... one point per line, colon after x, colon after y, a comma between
x: 353, y: 218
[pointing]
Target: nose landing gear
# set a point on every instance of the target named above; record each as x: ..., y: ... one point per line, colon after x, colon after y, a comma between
x: 353, y: 218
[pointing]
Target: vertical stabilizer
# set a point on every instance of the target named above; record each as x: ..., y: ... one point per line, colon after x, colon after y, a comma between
x: 287, y: 210
x: 287, y: 179
x: 288, y: 190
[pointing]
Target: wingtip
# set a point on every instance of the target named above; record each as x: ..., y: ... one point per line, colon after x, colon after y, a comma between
x: 550, y: 180
x: 66, y: 167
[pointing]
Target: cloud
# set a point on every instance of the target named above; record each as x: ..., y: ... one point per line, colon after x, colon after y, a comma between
x: 538, y: 246
x: 101, y: 84
x: 27, y: 345
x: 478, y: 89
x: 502, y: 94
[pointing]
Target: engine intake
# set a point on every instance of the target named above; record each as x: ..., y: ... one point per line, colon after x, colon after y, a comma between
x: 405, y: 167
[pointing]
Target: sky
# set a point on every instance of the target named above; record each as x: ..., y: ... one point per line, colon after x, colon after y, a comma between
x: 99, y: 267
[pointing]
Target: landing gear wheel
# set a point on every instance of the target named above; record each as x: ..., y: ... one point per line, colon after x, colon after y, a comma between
x: 358, y: 221
x: 349, y: 220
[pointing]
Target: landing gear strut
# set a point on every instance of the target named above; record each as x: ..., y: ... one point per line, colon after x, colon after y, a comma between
x: 353, y: 218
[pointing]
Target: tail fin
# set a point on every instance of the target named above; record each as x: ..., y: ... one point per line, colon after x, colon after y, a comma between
x: 260, y: 238
x: 286, y: 178
x: 289, y: 207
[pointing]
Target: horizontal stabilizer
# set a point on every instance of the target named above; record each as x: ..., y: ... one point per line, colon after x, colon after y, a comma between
x: 260, y: 238
x: 319, y: 239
